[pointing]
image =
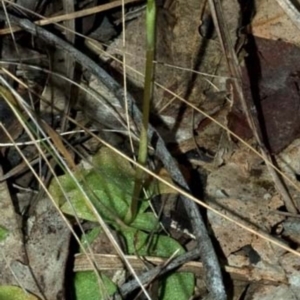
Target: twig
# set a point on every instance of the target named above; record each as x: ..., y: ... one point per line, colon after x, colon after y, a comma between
x: 285, y: 213
x: 249, y: 109
x: 210, y: 261
x: 111, y: 262
x: 158, y: 271
x: 66, y: 17
x: 290, y: 9
x: 71, y: 91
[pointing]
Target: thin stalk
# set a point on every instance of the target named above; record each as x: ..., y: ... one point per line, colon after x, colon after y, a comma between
x: 148, y: 95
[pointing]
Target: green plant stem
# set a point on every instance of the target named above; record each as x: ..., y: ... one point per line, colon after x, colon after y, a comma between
x: 148, y: 94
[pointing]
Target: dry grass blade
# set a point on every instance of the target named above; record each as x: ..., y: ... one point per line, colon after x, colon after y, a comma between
x: 88, y: 252
x: 65, y: 17
x: 112, y: 262
x: 56, y: 138
x: 70, y: 64
x: 41, y: 151
x: 249, y: 109
x: 125, y: 80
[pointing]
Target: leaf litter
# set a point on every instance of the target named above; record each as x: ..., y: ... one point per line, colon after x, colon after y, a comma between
x: 235, y: 182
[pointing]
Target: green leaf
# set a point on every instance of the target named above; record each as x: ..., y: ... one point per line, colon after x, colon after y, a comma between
x: 79, y: 205
x: 88, y: 238
x: 179, y: 286
x: 144, y: 205
x: 160, y: 245
x: 176, y: 286
x: 68, y: 184
x: 3, y: 233
x: 110, y: 189
x: 145, y: 221
x: 108, y: 185
x: 87, y: 286
x: 9, y: 292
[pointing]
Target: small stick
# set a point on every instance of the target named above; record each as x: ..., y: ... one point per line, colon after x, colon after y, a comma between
x: 69, y: 16
x: 249, y: 109
x: 290, y: 9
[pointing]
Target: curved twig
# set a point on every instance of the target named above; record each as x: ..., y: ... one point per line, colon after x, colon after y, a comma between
x: 210, y: 261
